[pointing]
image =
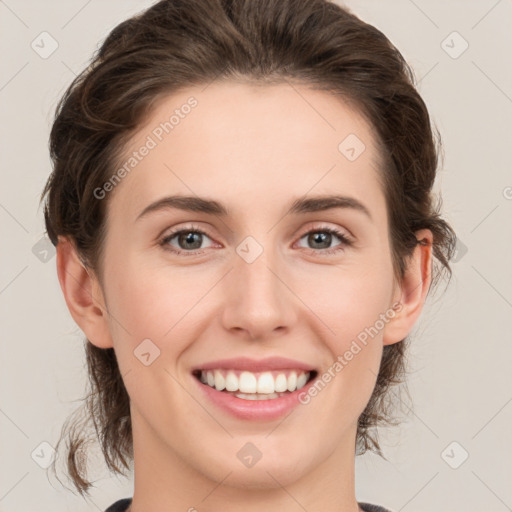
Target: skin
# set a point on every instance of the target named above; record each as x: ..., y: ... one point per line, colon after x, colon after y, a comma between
x: 255, y: 149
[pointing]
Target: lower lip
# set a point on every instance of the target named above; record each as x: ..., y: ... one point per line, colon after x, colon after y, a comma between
x: 270, y: 409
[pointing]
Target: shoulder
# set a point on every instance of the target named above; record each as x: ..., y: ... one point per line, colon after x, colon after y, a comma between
x: 369, y: 507
x: 120, y: 506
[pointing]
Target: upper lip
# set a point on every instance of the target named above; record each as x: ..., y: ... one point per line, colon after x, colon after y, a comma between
x: 256, y: 365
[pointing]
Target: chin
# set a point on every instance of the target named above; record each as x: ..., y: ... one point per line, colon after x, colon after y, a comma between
x: 274, y: 468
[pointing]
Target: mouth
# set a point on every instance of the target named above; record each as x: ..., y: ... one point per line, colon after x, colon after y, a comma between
x: 255, y: 386
x: 254, y: 389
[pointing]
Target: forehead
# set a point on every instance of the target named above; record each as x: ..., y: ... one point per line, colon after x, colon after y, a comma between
x: 244, y: 142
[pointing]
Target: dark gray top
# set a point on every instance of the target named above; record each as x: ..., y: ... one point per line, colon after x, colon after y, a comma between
x: 122, y: 505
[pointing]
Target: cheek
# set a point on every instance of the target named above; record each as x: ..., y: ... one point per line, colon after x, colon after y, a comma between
x: 152, y: 302
x: 148, y: 305
x: 351, y: 303
x: 347, y: 300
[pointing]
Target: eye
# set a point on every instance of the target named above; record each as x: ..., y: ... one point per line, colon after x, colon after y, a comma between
x: 322, y: 237
x: 188, y: 240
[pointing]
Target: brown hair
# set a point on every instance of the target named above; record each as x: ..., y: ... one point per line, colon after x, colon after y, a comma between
x: 179, y: 43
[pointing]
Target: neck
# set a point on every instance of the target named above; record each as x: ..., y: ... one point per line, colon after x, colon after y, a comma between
x: 164, y: 481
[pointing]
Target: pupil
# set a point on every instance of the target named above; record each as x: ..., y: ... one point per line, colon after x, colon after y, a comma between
x: 321, y: 237
x: 188, y: 238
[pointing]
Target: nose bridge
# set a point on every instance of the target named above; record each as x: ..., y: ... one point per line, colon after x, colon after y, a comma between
x: 259, y: 300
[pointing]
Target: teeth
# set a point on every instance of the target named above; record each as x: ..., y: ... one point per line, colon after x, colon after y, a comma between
x: 301, y: 380
x: 281, y: 383
x: 231, y: 381
x: 220, y: 381
x: 270, y: 396
x: 292, y: 381
x: 264, y: 383
x: 247, y: 382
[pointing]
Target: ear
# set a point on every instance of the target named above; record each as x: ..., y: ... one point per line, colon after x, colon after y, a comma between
x: 412, y: 291
x: 83, y: 295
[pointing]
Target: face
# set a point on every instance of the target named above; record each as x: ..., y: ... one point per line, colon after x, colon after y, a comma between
x: 248, y: 276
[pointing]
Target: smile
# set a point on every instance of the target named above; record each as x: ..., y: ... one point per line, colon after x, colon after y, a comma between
x: 254, y: 396
x: 255, y: 385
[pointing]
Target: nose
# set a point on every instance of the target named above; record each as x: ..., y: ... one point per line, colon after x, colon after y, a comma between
x: 259, y: 302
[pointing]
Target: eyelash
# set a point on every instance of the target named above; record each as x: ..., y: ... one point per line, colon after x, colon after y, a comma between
x: 345, y: 241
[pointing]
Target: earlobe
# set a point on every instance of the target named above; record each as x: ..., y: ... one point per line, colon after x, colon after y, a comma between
x: 83, y: 295
x: 412, y: 292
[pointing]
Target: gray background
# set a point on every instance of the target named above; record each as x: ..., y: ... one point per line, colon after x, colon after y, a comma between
x: 460, y: 361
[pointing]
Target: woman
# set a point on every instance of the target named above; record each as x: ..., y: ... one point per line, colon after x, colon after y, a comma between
x: 242, y: 207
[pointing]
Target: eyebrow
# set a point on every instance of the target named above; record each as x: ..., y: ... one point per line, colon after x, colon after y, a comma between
x: 212, y: 207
